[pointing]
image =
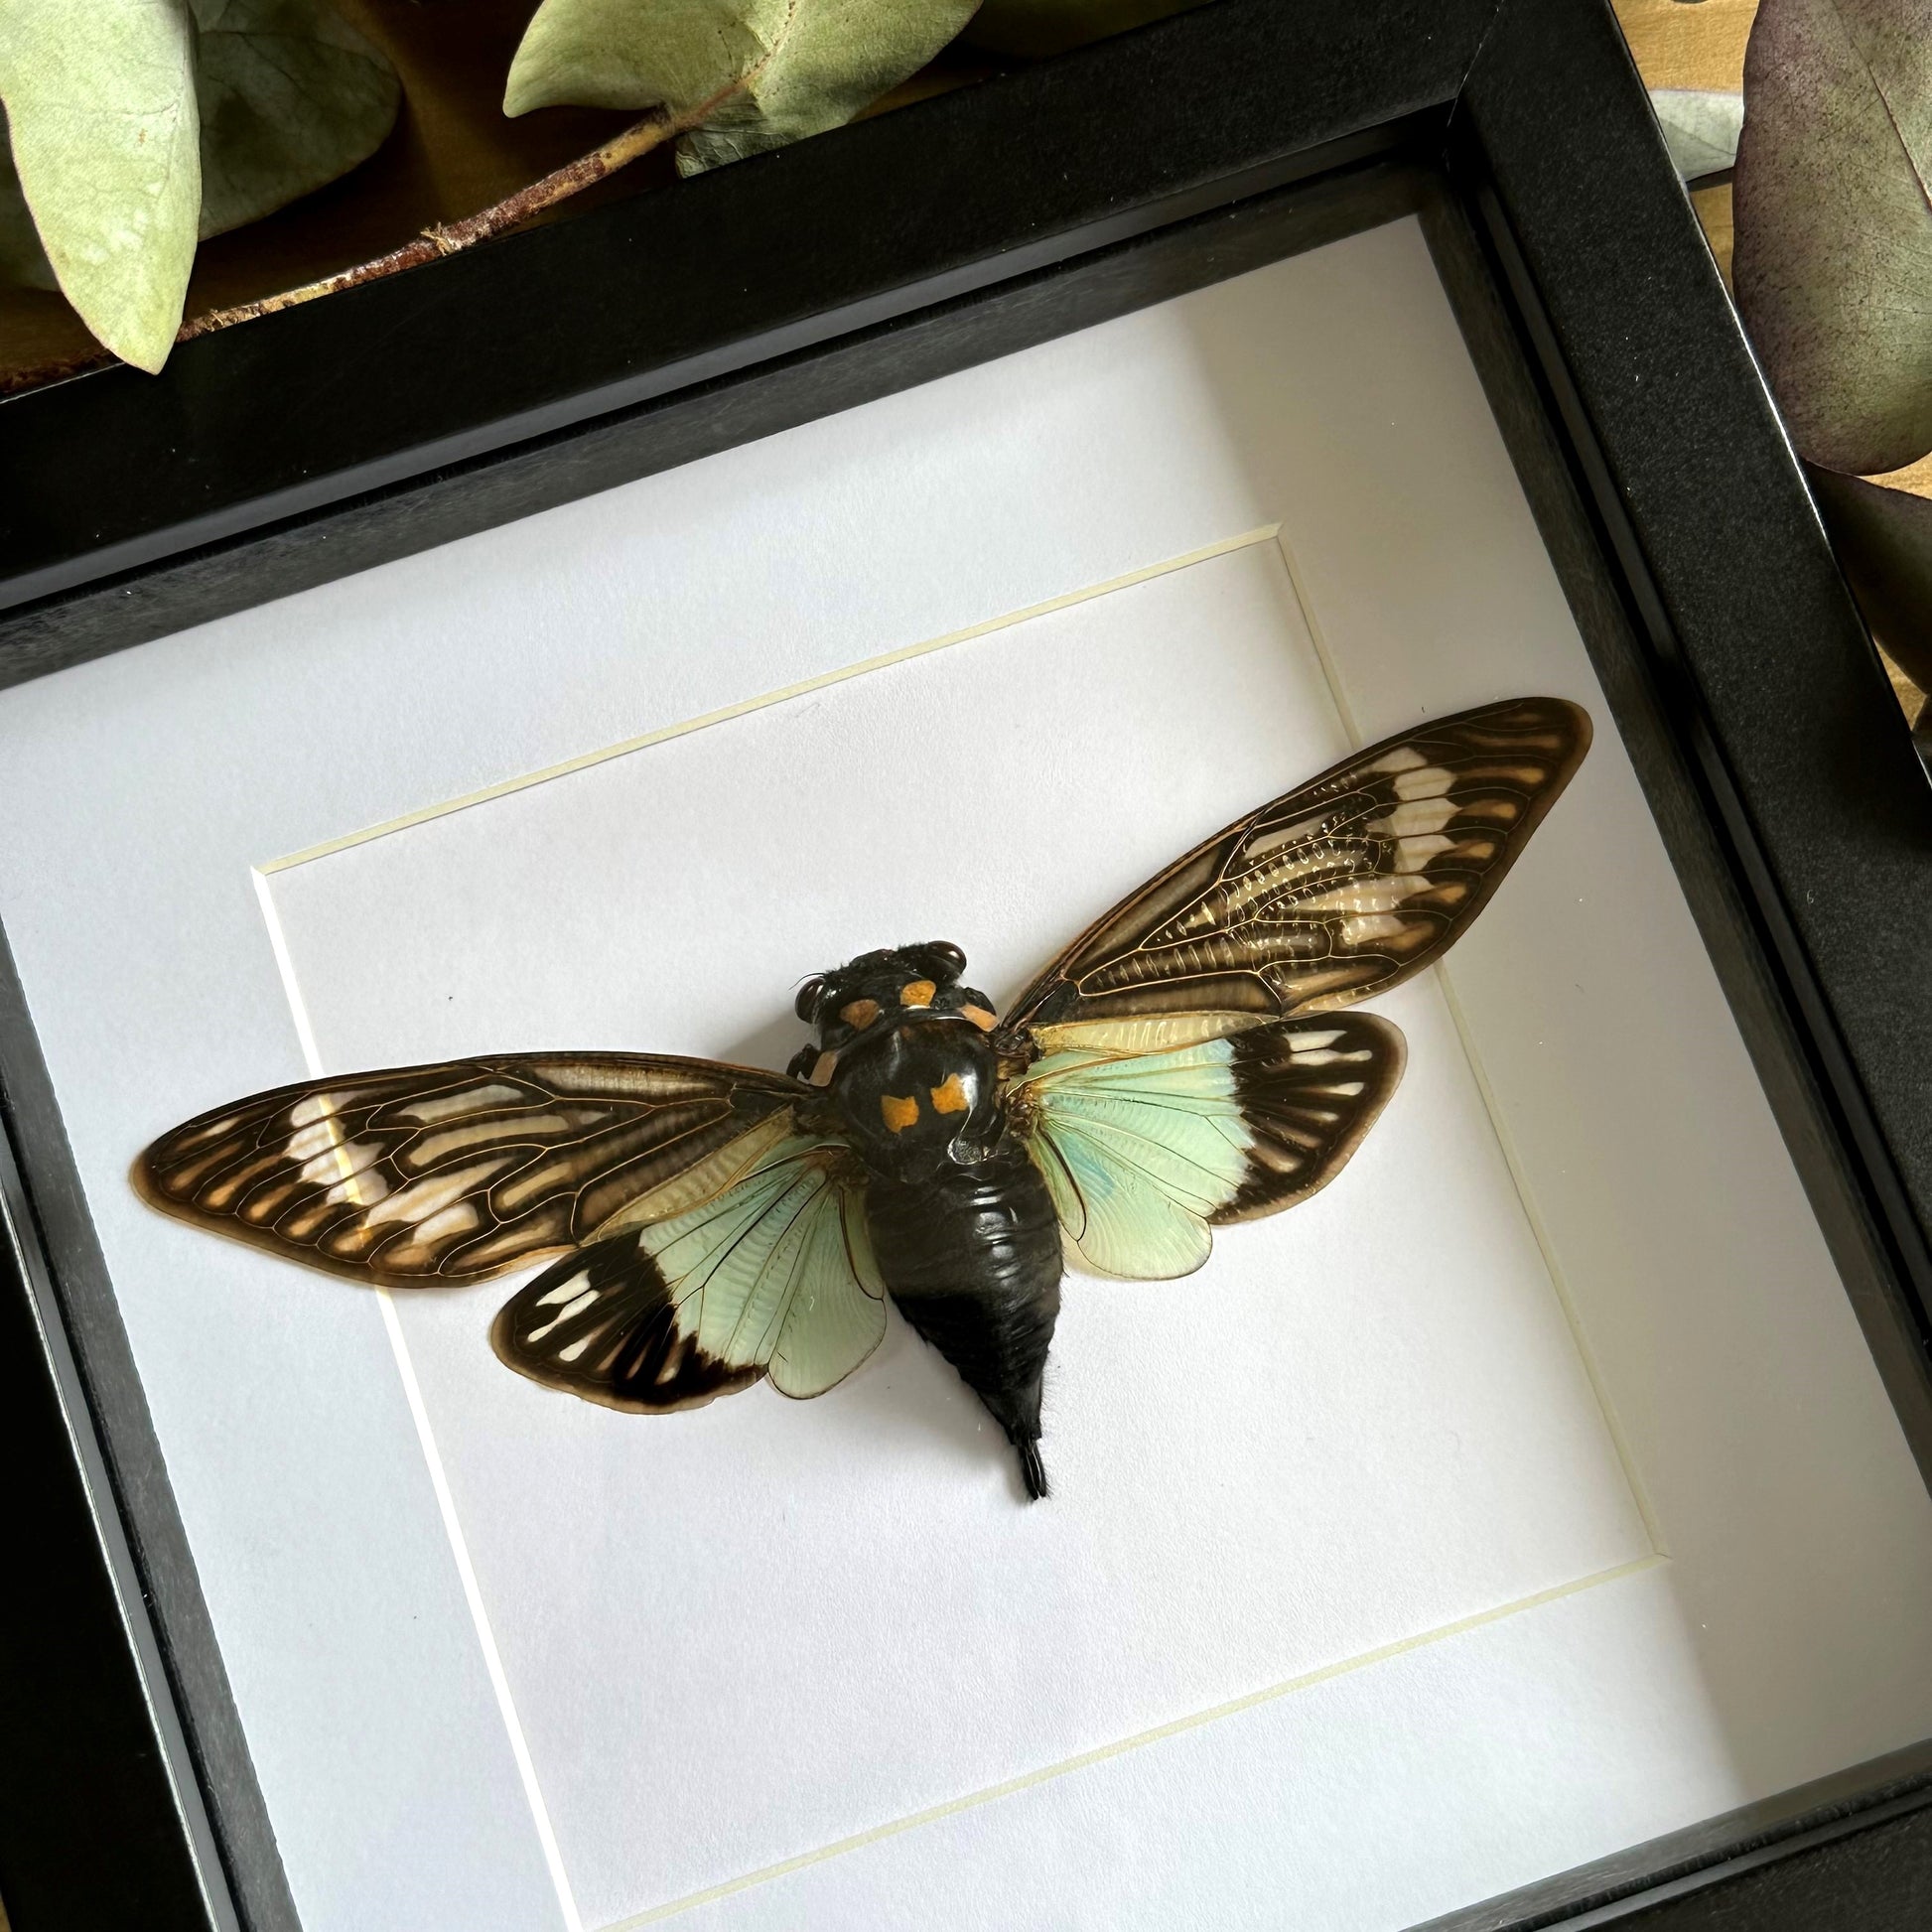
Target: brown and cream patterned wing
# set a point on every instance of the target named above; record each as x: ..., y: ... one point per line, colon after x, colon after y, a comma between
x: 425, y: 1175
x: 1324, y: 895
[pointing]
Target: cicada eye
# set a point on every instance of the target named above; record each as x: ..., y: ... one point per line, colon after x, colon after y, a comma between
x: 806, y: 1002
x: 945, y: 955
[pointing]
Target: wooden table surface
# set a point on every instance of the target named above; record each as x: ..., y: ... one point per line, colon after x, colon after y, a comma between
x: 1694, y: 44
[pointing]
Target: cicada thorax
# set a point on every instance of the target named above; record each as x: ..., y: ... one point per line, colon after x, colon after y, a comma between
x: 906, y: 1060
x: 962, y: 1225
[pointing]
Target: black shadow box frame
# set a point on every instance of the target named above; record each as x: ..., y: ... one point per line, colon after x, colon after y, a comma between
x: 689, y: 320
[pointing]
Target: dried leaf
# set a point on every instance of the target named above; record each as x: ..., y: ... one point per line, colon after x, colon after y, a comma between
x: 1034, y: 29
x: 1833, y: 229
x: 286, y: 97
x: 291, y: 97
x: 1884, y: 541
x: 800, y: 65
x: 1699, y: 129
x: 101, y: 108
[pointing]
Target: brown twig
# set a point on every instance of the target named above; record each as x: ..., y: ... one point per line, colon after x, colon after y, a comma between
x: 638, y: 139
x: 14, y: 382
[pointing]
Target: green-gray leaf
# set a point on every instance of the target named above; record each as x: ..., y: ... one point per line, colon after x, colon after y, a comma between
x: 291, y: 97
x: 100, y: 106
x: 1834, y: 231
x: 1699, y: 129
x: 1883, y: 540
x: 1036, y: 27
x: 798, y: 66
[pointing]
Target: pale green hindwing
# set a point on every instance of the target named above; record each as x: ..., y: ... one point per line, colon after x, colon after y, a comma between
x: 777, y: 1271
x: 1143, y: 1153
x: 772, y: 1277
x: 1140, y: 1153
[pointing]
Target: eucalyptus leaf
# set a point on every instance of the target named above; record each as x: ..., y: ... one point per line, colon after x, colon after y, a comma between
x: 1699, y: 129
x: 1834, y: 231
x: 287, y: 97
x: 291, y: 97
x: 100, y: 107
x: 798, y: 66
x: 1034, y: 29
x: 1884, y: 541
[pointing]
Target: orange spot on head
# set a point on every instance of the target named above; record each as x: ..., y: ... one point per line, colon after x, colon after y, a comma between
x: 916, y: 993
x: 860, y: 1014
x: 899, y: 1114
x: 980, y: 1018
x: 949, y: 1096
x: 823, y: 1069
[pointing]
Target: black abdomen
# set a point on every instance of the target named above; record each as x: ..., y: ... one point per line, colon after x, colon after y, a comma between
x: 972, y: 1257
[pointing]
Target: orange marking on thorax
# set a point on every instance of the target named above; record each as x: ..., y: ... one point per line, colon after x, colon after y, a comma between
x: 899, y: 1114
x: 916, y: 993
x: 949, y: 1096
x: 860, y: 1014
x: 980, y: 1018
x: 822, y: 1071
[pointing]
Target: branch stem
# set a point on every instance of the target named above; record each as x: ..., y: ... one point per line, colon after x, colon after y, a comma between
x: 639, y: 138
